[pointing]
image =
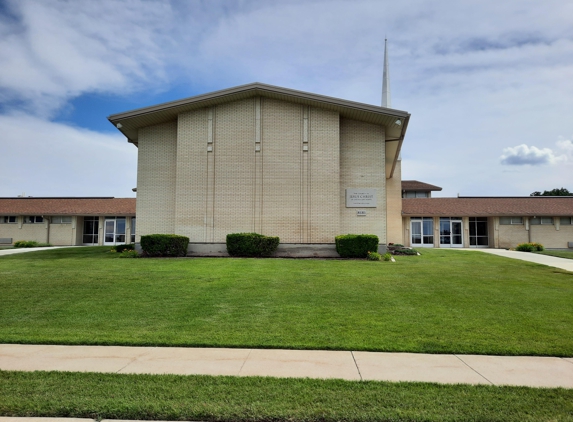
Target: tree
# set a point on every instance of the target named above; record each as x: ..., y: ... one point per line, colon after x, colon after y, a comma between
x: 553, y: 192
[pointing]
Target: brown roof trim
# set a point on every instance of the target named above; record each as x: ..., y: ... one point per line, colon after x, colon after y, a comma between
x: 67, y: 206
x: 528, y: 206
x: 417, y: 185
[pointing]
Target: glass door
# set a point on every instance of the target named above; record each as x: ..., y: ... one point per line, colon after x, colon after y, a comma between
x: 91, y: 230
x: 422, y: 232
x: 114, y: 230
x: 479, y: 232
x: 451, y: 234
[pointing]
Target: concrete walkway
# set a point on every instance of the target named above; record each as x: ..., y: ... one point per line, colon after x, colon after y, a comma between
x: 22, y: 250
x: 552, y: 261
x: 448, y: 369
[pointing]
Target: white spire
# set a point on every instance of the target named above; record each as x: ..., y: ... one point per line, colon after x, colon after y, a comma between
x: 386, y: 101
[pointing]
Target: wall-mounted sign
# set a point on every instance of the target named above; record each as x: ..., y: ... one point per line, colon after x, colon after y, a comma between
x: 360, y: 212
x: 360, y: 198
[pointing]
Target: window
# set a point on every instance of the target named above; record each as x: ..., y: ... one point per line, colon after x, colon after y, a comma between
x: 422, y: 231
x: 8, y: 219
x: 61, y: 220
x: 33, y: 219
x: 566, y: 221
x: 541, y: 220
x: 91, y: 226
x: 478, y: 232
x: 510, y: 220
x: 415, y: 194
x: 132, y: 229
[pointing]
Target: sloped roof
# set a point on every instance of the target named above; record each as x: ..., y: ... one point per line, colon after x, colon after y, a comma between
x: 131, y: 121
x: 67, y: 206
x: 419, y: 186
x: 489, y: 206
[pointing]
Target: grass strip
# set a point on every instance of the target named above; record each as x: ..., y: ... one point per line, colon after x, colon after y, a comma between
x: 171, y: 397
x: 441, y: 302
x: 559, y: 254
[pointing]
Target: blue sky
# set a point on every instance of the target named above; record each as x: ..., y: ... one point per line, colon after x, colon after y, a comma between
x: 488, y: 83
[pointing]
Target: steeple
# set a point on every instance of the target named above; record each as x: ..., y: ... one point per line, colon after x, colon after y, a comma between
x: 386, y: 101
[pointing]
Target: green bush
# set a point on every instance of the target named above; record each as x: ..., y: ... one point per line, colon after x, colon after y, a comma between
x: 405, y: 251
x: 387, y: 256
x: 374, y: 256
x: 529, y: 247
x: 251, y: 244
x: 121, y: 248
x: 538, y: 246
x: 356, y: 245
x: 29, y: 244
x: 164, y: 245
x: 129, y: 253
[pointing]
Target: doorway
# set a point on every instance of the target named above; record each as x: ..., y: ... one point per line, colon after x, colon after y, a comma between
x: 451, y: 233
x: 114, y: 231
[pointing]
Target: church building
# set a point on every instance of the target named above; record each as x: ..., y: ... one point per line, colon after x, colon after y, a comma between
x: 265, y: 159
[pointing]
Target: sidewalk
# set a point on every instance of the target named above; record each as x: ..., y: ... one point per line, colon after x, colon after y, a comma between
x: 22, y: 250
x: 552, y: 261
x: 448, y: 369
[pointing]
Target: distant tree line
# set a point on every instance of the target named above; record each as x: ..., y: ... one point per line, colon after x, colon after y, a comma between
x: 553, y: 192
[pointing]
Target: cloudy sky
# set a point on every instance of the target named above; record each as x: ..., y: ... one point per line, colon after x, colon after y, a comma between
x: 489, y: 83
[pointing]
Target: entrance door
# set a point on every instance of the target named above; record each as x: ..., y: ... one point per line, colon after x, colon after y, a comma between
x: 422, y: 232
x: 114, y: 231
x: 451, y: 234
x: 479, y: 232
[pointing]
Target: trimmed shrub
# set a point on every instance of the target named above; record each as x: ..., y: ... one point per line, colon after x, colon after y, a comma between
x: 374, y: 256
x: 538, y: 246
x: 164, y: 245
x: 251, y: 244
x: 29, y: 244
x: 121, y: 248
x: 387, y: 256
x: 529, y: 247
x: 356, y: 245
x: 129, y: 253
x: 405, y: 251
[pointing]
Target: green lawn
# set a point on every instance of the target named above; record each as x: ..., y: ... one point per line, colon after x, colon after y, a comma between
x: 170, y: 397
x: 441, y: 302
x: 560, y: 253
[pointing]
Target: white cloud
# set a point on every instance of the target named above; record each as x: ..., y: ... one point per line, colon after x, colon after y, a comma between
x: 43, y: 158
x: 525, y: 155
x: 55, y: 50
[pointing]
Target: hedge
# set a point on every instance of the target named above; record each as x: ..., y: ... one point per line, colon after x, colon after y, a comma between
x: 164, y: 245
x: 251, y: 244
x: 356, y: 245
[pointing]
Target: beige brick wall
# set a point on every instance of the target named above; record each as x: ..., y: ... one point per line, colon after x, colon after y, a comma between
x: 234, y: 159
x: 362, y: 151
x: 552, y: 236
x: 11, y: 230
x: 511, y: 235
x: 191, y: 193
x: 282, y: 190
x: 282, y: 125
x: 323, y: 201
x: 156, y: 176
x: 37, y: 232
x: 394, y: 206
x: 62, y: 234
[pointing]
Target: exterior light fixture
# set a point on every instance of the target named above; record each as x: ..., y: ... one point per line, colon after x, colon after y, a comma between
x: 119, y: 126
x: 398, y: 122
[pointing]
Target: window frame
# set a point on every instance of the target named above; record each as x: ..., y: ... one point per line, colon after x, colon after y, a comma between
x: 518, y: 222
x: 5, y: 219
x: 34, y: 219
x: 59, y: 219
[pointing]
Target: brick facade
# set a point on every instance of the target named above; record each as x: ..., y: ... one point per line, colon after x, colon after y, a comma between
x: 264, y: 165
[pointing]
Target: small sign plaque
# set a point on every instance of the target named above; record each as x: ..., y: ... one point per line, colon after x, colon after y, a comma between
x: 361, y: 212
x: 360, y: 198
